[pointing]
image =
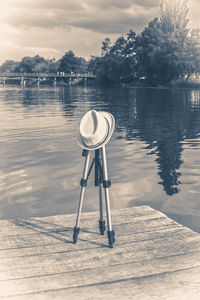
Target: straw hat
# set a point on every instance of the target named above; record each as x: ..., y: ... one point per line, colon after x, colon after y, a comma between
x: 95, y: 129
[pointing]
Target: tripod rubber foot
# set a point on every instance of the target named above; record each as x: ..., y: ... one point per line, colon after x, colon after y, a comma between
x: 84, y: 153
x: 102, y: 226
x: 75, y: 234
x: 111, y: 238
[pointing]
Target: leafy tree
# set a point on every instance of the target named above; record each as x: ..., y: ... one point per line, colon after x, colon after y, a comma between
x: 117, y: 63
x: 71, y: 63
x: 46, y: 66
x: 163, y: 48
x: 174, y: 17
x: 108, y: 67
x: 167, y: 49
x: 8, y: 66
x: 191, y: 62
x: 129, y: 47
x: 94, y: 63
x: 26, y: 65
x: 147, y: 45
x: 105, y: 46
x: 112, y: 69
x: 29, y: 64
x: 83, y: 65
x: 37, y: 64
x: 52, y: 65
x: 130, y: 61
x: 174, y: 25
x: 118, y: 47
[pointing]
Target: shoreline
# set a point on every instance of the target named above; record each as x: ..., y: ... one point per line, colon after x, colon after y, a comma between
x: 191, y: 84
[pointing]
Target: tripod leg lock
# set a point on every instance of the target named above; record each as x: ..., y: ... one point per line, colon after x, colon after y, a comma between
x: 111, y: 238
x: 75, y: 234
x: 84, y: 153
x: 102, y: 226
x: 106, y: 183
x: 83, y: 182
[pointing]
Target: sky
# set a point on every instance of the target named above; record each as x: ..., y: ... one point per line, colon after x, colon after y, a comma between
x: 50, y: 28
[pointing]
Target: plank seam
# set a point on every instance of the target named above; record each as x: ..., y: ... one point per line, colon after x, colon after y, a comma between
x: 103, y: 282
x: 104, y: 267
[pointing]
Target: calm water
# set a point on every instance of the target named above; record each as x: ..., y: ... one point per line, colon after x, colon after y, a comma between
x: 153, y: 156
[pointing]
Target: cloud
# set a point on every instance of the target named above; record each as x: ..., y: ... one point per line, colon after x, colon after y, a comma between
x: 105, y: 4
x: 194, y: 8
x: 150, y: 3
x: 104, y: 16
x: 113, y: 23
x: 98, y: 15
x: 46, y: 4
x: 54, y: 27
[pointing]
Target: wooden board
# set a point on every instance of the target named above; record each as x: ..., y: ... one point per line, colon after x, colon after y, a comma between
x: 153, y: 258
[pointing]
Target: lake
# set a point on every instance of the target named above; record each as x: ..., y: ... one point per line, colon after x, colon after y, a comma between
x: 153, y: 156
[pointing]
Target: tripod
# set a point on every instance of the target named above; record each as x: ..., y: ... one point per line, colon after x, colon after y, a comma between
x: 101, y: 178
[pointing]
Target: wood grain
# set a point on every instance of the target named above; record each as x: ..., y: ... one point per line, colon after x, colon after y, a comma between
x: 153, y: 258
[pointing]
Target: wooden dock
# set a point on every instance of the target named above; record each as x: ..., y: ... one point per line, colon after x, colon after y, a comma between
x: 153, y: 258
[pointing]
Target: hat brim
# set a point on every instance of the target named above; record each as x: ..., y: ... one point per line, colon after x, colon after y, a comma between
x: 111, y: 126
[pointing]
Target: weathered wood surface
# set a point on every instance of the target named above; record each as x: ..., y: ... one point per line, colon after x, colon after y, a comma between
x: 153, y: 258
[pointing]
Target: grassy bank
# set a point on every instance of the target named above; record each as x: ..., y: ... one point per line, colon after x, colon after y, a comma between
x: 179, y: 83
x: 191, y: 83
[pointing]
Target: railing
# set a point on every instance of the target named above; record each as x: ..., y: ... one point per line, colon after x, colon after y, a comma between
x: 45, y: 75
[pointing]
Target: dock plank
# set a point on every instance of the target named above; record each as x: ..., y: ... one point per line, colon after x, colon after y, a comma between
x: 154, y: 257
x: 43, y: 249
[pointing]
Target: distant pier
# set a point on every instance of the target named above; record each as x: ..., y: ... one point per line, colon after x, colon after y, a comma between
x: 154, y: 257
x: 60, y: 78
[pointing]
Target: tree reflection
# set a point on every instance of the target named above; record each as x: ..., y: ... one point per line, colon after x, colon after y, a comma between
x: 162, y: 122
x: 162, y: 118
x: 169, y: 161
x: 68, y: 98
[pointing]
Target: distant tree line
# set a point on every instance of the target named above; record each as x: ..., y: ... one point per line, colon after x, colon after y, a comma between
x: 166, y: 50
x: 37, y: 64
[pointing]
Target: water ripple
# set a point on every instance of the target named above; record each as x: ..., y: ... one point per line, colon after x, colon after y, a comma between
x: 153, y: 156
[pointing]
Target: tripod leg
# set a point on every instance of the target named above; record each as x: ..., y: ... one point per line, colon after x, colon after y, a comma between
x: 106, y: 184
x: 98, y: 182
x: 83, y: 185
x: 101, y: 220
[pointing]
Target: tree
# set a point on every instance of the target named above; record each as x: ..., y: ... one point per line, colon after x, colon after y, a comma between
x: 118, y: 47
x: 148, y: 46
x: 82, y: 65
x: 192, y: 57
x: 36, y: 64
x: 8, y: 66
x: 94, y: 63
x: 124, y: 57
x: 129, y: 47
x: 174, y: 17
x: 117, y: 62
x: 105, y: 46
x: 108, y: 67
x: 71, y: 63
x: 163, y: 48
x: 26, y: 65
x: 46, y: 66
x: 174, y: 25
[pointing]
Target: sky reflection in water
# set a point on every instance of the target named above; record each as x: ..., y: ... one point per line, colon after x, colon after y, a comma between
x: 153, y: 156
